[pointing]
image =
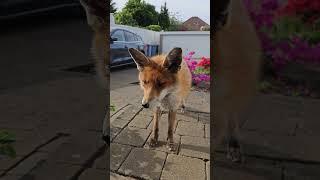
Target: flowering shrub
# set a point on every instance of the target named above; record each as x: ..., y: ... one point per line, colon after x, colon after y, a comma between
x: 286, y: 32
x: 200, y: 69
x: 307, y: 9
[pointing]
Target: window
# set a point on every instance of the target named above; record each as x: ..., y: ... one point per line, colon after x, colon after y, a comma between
x: 118, y: 34
x: 138, y: 38
x: 129, y: 36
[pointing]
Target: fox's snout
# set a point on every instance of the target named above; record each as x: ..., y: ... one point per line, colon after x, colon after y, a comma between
x: 145, y: 103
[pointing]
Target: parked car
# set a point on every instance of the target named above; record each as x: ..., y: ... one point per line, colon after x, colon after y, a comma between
x: 120, y: 41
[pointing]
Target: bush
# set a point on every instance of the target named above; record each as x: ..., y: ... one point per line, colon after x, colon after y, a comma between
x: 200, y: 69
x: 154, y: 27
x: 288, y: 33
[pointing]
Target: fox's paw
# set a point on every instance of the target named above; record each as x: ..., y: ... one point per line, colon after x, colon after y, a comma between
x: 234, y: 152
x: 153, y: 142
x: 183, y: 109
x: 170, y: 146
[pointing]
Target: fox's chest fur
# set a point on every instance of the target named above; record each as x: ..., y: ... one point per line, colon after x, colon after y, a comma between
x: 172, y: 97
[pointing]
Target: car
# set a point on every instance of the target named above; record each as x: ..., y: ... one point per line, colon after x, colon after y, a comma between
x: 120, y: 41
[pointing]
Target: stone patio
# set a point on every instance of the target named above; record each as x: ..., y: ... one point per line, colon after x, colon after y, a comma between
x: 131, y: 156
x: 280, y: 139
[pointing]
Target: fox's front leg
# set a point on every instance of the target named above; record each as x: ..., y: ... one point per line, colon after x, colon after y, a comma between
x: 155, y: 129
x: 171, y: 124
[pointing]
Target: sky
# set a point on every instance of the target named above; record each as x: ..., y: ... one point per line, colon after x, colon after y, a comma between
x: 184, y: 8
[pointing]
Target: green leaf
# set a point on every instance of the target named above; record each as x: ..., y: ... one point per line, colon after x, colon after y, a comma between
x: 6, y: 137
x: 112, y: 108
x: 8, y: 150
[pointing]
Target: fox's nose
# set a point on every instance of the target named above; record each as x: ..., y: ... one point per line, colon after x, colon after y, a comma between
x: 146, y: 105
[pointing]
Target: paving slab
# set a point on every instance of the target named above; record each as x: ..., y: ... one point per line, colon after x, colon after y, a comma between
x: 118, y: 111
x: 129, y: 112
x: 195, y: 147
x: 300, y: 147
x: 74, y: 153
x: 25, y: 147
x: 179, y: 167
x: 189, y: 112
x: 52, y: 171
x: 162, y: 144
x: 163, y: 125
x: 185, y: 117
x: 114, y: 176
x: 25, y: 166
x: 132, y: 94
x: 267, y: 113
x: 252, y: 168
x: 6, y: 162
x: 114, y: 131
x: 310, y: 124
x: 227, y: 173
x: 199, y: 101
x: 93, y: 174
x: 146, y: 112
x: 190, y: 129
x: 11, y: 177
x: 270, y: 169
x: 143, y: 163
x: 301, y: 171
x: 120, y: 123
x: 141, y: 121
x: 132, y: 136
x: 207, y: 131
x: 54, y: 145
x: 118, y: 153
x: 103, y: 161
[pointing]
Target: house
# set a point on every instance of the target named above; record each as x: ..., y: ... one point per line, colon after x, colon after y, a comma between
x: 194, y: 24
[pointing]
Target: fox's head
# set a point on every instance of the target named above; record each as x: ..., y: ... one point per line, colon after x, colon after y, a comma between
x: 158, y: 74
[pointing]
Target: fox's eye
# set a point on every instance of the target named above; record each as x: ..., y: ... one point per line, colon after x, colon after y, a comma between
x: 160, y: 83
x: 145, y: 82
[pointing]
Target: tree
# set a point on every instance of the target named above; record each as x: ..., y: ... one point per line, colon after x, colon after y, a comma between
x: 113, y: 9
x: 137, y: 13
x: 154, y: 27
x: 164, y: 19
x: 175, y: 23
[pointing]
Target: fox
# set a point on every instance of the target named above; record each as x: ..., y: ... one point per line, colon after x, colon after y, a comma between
x: 96, y: 14
x: 237, y: 53
x: 166, y: 83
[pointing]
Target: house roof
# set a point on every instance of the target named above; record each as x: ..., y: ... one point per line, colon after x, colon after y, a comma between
x: 194, y: 23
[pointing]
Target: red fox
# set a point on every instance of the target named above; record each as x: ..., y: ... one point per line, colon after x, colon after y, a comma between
x: 96, y: 13
x: 166, y: 83
x: 236, y: 50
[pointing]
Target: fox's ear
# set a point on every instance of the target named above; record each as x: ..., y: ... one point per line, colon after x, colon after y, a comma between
x: 139, y: 58
x: 173, y: 60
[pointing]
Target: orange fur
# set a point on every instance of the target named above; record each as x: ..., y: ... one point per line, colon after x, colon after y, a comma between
x: 164, y: 83
x: 156, y: 74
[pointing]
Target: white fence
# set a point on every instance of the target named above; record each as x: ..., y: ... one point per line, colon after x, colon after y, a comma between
x: 197, y: 41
